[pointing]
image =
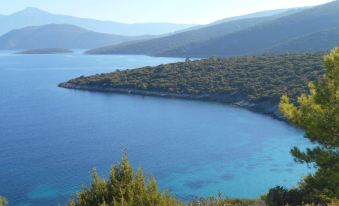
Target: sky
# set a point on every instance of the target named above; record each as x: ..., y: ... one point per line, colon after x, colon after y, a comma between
x: 137, y: 11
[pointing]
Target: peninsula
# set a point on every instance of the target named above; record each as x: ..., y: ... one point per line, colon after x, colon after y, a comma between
x: 252, y: 82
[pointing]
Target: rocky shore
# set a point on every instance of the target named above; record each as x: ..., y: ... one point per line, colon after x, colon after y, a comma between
x: 267, y: 107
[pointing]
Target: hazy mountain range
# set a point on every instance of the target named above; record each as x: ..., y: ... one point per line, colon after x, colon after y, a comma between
x: 195, y: 34
x: 37, y: 17
x: 261, y: 14
x: 284, y: 30
x: 309, y: 29
x: 59, y: 36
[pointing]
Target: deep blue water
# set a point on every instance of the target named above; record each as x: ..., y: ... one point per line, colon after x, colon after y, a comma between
x: 51, y: 138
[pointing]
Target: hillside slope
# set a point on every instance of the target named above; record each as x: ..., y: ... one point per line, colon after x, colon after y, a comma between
x: 318, y: 41
x: 262, y: 37
x: 58, y: 36
x: 201, y: 34
x: 242, y: 37
x: 163, y: 44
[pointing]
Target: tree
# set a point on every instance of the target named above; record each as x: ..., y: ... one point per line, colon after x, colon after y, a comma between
x: 123, y: 188
x: 3, y: 201
x: 318, y: 114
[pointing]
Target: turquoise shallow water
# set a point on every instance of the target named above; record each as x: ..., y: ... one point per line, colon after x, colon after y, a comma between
x: 51, y: 138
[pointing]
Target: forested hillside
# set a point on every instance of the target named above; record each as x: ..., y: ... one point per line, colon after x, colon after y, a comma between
x: 261, y: 38
x: 299, y: 31
x: 160, y: 45
x: 166, y: 43
x: 36, y: 17
x: 318, y: 41
x: 254, y: 82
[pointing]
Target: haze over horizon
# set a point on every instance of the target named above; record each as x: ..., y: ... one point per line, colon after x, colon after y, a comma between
x: 174, y: 11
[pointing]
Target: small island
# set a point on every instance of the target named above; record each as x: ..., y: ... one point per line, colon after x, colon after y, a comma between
x: 46, y: 51
x: 252, y: 82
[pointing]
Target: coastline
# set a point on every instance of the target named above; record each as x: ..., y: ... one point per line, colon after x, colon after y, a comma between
x: 267, y: 107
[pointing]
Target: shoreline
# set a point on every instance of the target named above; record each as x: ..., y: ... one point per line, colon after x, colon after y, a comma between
x: 264, y: 107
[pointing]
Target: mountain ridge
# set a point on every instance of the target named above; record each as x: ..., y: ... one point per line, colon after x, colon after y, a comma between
x: 36, y: 17
x: 161, y: 44
x: 59, y: 35
x: 254, y: 39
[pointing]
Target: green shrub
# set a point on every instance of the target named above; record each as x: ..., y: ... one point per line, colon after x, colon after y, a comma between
x: 3, y: 201
x: 124, y: 187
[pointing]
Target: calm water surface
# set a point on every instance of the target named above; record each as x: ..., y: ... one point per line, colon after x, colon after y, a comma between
x: 51, y: 138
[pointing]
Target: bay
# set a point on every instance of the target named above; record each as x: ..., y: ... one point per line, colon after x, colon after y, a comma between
x: 51, y: 138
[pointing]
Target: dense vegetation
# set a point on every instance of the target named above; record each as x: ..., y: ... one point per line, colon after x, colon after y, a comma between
x: 252, y: 39
x: 257, y: 80
x: 124, y: 187
x: 318, y: 114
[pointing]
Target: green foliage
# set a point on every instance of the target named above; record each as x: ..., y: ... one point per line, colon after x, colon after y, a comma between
x: 3, y: 201
x: 124, y: 188
x: 128, y: 188
x: 276, y: 196
x: 280, y: 196
x: 318, y: 114
x: 219, y: 201
x: 250, y: 78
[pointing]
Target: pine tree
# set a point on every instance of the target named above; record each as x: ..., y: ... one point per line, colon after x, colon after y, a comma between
x: 124, y: 188
x: 318, y: 114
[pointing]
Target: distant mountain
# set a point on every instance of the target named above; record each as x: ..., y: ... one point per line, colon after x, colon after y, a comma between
x: 260, y: 38
x: 203, y: 33
x: 59, y: 36
x: 318, y: 41
x: 261, y: 14
x: 277, y: 33
x: 37, y: 17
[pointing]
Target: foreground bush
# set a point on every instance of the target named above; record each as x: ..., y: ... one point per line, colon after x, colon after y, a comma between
x: 124, y: 187
x: 219, y: 201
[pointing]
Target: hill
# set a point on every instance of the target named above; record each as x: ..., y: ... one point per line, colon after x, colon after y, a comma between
x: 318, y: 41
x: 253, y: 82
x: 251, y: 38
x: 36, y: 17
x: 261, y: 14
x: 196, y: 34
x: 260, y: 38
x: 58, y: 36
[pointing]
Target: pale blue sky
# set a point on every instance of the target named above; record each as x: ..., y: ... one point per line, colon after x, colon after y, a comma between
x: 176, y: 11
